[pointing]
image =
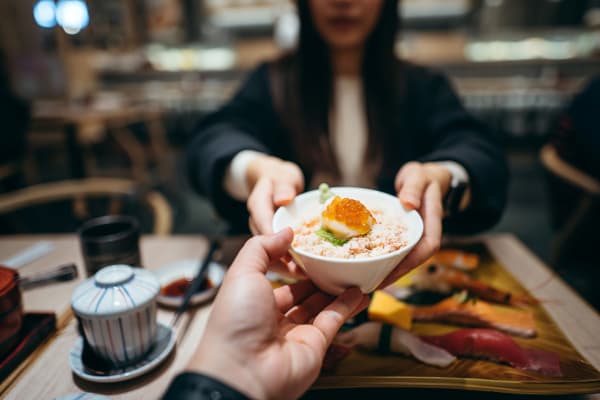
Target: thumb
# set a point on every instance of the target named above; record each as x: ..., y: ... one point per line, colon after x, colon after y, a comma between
x: 348, y: 338
x: 260, y: 251
x: 283, y: 193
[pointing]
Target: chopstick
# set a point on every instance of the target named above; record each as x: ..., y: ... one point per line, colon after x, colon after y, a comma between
x: 196, y: 282
x: 62, y: 273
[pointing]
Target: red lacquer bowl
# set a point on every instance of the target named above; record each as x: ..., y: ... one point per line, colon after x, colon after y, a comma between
x: 11, y: 309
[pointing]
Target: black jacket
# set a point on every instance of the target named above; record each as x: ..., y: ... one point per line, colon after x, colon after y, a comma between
x: 431, y: 125
x: 193, y: 386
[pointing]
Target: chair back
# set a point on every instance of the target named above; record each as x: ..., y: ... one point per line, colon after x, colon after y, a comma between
x: 80, y: 191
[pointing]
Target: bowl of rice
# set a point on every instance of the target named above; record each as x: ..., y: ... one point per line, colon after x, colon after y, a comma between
x: 363, y: 260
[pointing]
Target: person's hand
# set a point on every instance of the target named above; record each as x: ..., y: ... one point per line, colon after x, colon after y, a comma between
x: 422, y: 186
x: 270, y: 343
x: 365, y: 336
x: 273, y: 183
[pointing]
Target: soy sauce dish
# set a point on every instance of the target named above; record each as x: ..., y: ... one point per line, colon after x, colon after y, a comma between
x: 349, y: 236
x: 174, y: 278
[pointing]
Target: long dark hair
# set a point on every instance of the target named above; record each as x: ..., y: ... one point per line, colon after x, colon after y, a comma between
x: 303, y: 88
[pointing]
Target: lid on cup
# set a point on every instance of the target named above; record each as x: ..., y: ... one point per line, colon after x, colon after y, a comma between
x: 113, y: 290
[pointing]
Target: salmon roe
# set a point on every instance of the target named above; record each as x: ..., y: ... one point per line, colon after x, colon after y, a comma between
x: 351, y: 213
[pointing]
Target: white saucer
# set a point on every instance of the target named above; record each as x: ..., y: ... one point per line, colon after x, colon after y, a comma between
x: 82, y: 396
x: 188, y: 269
x: 163, y: 346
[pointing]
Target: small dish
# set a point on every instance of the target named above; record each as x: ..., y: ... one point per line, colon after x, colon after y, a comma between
x: 162, y: 347
x: 188, y: 269
x: 82, y: 396
x: 333, y: 275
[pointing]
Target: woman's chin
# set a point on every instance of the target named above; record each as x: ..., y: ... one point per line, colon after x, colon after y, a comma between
x: 345, y: 42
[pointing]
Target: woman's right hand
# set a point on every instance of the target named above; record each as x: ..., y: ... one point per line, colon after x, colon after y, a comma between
x: 273, y: 182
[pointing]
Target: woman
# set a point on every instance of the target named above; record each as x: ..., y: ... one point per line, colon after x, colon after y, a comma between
x: 344, y: 110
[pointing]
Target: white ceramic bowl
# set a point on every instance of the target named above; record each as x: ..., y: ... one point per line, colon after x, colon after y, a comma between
x: 188, y: 268
x: 117, y: 311
x: 334, y: 275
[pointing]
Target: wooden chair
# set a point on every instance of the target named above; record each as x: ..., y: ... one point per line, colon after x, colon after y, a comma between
x: 80, y: 190
x: 588, y: 204
x: 7, y: 170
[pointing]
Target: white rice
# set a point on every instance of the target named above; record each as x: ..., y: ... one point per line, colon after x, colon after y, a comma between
x: 385, y: 237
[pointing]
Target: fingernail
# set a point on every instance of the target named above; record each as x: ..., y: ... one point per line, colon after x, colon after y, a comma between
x: 352, y: 296
x: 283, y: 196
x: 287, y: 230
x: 409, y: 202
x: 361, y: 306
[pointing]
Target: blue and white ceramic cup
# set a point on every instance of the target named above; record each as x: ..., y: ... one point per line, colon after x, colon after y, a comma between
x: 117, y: 312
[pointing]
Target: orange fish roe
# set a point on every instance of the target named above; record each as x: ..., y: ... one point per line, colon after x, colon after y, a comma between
x: 351, y: 213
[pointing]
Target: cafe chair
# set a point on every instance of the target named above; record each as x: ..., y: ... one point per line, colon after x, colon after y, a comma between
x: 114, y: 190
x: 575, y: 227
x: 7, y: 170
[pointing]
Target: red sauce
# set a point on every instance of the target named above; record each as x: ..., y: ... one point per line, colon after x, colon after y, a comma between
x: 178, y: 287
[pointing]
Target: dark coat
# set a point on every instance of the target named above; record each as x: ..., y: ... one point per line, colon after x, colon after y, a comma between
x: 431, y: 125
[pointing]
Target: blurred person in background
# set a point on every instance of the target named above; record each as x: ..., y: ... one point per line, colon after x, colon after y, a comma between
x: 577, y: 138
x: 577, y: 142
x: 343, y: 109
x: 14, y: 114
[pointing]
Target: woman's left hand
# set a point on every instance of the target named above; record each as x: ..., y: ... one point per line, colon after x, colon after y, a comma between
x: 422, y: 186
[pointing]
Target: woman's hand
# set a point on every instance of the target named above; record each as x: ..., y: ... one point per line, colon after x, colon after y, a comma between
x: 273, y: 183
x: 422, y: 186
x: 270, y: 343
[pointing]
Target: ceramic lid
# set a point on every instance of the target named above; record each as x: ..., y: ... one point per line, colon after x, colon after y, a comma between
x: 114, y: 290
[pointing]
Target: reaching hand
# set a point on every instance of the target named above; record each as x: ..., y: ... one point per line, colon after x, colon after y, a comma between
x: 273, y: 183
x: 422, y: 187
x: 270, y: 343
x: 365, y: 336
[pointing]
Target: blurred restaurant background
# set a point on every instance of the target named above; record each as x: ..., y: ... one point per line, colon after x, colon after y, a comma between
x: 108, y: 92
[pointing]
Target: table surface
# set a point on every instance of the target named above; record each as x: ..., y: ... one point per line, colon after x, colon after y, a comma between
x: 46, y: 374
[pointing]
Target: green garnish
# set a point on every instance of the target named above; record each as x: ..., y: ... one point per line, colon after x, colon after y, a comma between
x: 463, y: 296
x: 324, y: 193
x: 330, y: 237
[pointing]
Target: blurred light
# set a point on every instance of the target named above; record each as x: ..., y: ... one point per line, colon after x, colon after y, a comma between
x: 287, y: 29
x: 44, y: 13
x: 555, y: 48
x: 72, y: 15
x: 190, y: 58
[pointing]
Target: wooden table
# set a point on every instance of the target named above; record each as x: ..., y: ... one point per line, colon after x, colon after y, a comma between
x: 47, y: 374
x: 75, y: 118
